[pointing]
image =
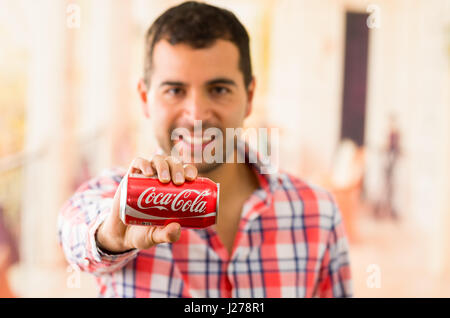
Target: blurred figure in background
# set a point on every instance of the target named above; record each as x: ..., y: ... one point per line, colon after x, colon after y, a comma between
x: 391, y: 152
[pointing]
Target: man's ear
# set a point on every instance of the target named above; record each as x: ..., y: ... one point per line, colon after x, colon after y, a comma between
x: 250, y: 94
x: 142, y: 91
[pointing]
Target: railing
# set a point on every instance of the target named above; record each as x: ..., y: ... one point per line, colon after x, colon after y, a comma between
x: 17, y: 160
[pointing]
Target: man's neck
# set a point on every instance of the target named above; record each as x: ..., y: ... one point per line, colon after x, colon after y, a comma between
x: 229, y: 175
x: 233, y: 178
x: 237, y: 183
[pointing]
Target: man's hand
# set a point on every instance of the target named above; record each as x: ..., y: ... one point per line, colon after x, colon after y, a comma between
x: 116, y: 237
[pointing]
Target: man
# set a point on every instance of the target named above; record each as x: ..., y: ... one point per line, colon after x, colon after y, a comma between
x: 276, y: 236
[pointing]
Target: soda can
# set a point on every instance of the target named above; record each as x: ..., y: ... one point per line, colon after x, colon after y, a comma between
x: 147, y: 201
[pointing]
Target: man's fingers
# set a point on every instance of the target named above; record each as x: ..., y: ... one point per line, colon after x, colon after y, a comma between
x: 176, y: 170
x: 190, y: 172
x: 162, y: 168
x: 140, y: 165
x: 166, y: 168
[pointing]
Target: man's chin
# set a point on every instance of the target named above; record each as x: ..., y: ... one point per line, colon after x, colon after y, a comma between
x: 205, y: 168
x: 199, y: 162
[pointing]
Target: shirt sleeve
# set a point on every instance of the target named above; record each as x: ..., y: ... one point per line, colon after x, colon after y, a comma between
x: 335, y: 275
x: 79, y: 220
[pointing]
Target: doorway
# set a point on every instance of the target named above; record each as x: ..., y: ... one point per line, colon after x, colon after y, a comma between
x: 355, y: 78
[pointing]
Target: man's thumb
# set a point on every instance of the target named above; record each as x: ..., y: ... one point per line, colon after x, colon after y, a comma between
x: 167, y: 234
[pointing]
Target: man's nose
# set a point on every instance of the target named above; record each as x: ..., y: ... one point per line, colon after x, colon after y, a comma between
x: 197, y: 108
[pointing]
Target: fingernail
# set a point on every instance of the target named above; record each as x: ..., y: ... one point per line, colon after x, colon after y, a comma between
x: 179, y: 177
x: 190, y: 174
x: 165, y: 175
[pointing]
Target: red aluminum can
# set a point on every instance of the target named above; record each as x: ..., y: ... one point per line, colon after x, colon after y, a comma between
x: 147, y: 201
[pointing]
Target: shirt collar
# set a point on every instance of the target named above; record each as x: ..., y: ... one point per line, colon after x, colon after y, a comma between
x: 269, y: 182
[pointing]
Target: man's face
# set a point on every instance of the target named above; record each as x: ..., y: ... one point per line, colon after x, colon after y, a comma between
x: 188, y: 85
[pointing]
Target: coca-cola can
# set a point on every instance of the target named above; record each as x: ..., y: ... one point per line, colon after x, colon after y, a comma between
x: 147, y: 201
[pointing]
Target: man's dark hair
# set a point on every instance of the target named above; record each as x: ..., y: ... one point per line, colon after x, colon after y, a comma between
x: 198, y: 25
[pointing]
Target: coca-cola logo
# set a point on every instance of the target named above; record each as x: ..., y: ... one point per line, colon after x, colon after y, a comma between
x: 183, y: 201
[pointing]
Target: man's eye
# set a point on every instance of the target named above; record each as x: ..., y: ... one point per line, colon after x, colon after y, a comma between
x: 175, y: 91
x: 220, y: 90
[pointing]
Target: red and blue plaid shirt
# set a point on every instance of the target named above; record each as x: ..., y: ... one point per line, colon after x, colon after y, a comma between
x: 291, y: 242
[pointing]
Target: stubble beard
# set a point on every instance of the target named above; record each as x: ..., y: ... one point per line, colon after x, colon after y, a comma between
x: 202, y: 167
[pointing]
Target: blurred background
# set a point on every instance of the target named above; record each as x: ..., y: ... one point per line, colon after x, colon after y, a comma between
x: 358, y: 89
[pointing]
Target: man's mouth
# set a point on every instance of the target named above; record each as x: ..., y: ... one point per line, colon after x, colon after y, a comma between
x: 195, y: 142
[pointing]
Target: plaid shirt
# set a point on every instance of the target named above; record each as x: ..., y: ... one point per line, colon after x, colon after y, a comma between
x: 290, y: 243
